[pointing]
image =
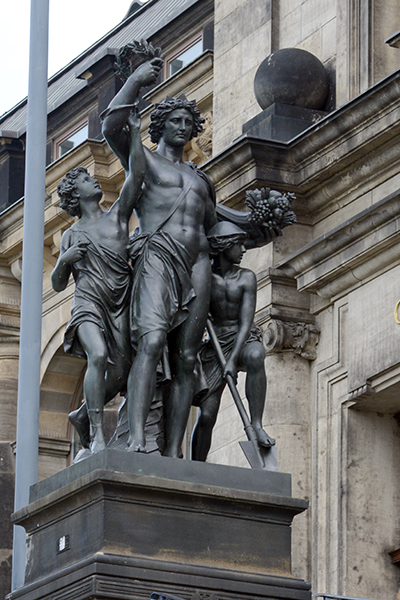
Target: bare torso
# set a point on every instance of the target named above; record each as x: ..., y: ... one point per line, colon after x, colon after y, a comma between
x: 108, y: 229
x: 164, y: 182
x: 227, y: 294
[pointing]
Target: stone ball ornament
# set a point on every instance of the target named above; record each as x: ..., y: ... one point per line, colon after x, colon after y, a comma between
x: 292, y: 76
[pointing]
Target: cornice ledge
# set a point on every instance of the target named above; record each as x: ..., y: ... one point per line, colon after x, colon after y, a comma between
x: 272, y: 275
x: 50, y: 445
x: 349, y: 254
x: 316, y: 160
x: 79, y: 156
x: 248, y: 162
x: 12, y: 217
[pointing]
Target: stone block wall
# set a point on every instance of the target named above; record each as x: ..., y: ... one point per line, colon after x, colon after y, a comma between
x: 246, y: 32
x: 242, y: 40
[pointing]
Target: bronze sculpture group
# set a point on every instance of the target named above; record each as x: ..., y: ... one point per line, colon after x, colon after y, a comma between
x: 141, y: 304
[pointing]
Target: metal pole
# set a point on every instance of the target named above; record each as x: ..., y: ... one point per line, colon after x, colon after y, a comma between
x: 26, y: 469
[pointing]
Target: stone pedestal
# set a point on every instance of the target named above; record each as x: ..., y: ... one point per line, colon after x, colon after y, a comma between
x: 282, y: 122
x: 122, y: 525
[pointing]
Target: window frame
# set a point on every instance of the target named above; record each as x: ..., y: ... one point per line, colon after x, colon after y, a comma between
x: 67, y: 134
x: 174, y: 54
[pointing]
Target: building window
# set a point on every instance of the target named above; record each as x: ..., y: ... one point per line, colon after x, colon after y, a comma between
x: 183, y: 55
x: 71, y: 139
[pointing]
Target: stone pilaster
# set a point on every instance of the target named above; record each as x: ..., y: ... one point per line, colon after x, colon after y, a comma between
x: 8, y: 410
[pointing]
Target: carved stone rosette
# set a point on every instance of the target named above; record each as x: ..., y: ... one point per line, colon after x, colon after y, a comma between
x: 301, y: 338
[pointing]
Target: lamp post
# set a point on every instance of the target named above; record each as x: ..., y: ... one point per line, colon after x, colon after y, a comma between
x: 26, y: 470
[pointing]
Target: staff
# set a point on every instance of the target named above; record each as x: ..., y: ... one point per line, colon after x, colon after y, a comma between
x: 251, y: 436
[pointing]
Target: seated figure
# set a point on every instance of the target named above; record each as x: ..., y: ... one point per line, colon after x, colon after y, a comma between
x: 232, y: 308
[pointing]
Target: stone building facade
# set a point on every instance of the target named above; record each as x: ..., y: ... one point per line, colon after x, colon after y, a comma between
x: 328, y: 288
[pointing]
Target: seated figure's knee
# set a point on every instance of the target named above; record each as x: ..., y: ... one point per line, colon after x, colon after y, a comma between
x: 255, y: 358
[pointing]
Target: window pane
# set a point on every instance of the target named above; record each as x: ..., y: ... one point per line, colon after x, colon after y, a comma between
x: 186, y: 57
x: 74, y: 140
x: 176, y: 66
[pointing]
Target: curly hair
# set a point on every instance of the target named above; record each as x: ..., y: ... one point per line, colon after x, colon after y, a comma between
x: 164, y: 108
x: 65, y: 190
x: 221, y: 243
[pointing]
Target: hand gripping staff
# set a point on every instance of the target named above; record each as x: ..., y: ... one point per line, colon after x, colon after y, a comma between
x: 254, y: 457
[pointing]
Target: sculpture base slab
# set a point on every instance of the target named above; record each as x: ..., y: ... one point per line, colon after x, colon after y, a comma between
x: 122, y: 525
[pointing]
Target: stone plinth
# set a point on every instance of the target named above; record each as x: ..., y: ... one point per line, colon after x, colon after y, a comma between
x: 282, y: 122
x: 121, y: 525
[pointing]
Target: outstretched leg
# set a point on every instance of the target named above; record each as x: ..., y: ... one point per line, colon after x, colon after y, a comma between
x: 141, y: 386
x: 184, y: 343
x: 115, y: 381
x: 79, y: 419
x: 93, y: 343
x: 252, y: 359
x: 202, y: 432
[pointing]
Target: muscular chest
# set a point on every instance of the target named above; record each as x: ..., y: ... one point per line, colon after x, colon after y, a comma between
x: 163, y: 176
x: 225, y: 292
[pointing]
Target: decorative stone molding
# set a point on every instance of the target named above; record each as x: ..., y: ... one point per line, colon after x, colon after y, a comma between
x: 326, y: 165
x: 9, y: 320
x: 361, y: 393
x: 278, y: 298
x: 16, y: 269
x: 50, y: 446
x: 301, y: 338
x: 204, y: 141
x: 351, y: 253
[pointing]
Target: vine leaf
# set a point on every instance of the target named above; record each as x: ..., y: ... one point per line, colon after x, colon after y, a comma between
x: 123, y: 64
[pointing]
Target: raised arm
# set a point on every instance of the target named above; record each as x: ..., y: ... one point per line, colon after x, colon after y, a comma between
x: 116, y: 116
x: 132, y: 187
x: 270, y: 211
x: 258, y: 235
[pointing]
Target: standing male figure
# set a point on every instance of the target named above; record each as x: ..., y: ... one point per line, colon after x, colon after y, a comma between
x: 171, y: 268
x: 95, y: 250
x: 172, y: 271
x: 232, y: 308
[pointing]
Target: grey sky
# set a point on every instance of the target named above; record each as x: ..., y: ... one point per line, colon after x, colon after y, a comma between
x: 74, y: 26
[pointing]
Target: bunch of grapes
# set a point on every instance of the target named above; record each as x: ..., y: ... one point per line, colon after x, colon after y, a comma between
x: 270, y: 208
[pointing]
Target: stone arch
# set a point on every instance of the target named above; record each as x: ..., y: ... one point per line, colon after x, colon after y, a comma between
x: 60, y: 392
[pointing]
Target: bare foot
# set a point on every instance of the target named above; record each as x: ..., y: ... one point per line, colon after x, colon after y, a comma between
x: 82, y: 427
x: 263, y: 438
x: 133, y: 446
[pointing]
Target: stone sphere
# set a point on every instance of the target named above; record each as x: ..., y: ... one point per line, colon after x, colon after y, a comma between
x: 292, y: 76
